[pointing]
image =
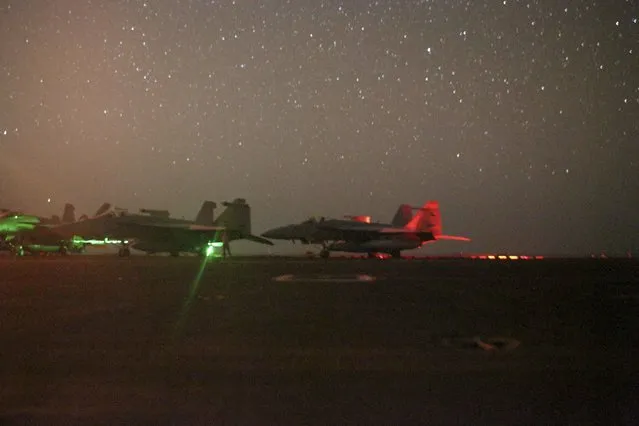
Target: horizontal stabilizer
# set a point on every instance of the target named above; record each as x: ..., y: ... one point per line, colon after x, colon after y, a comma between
x: 257, y: 239
x: 452, y: 238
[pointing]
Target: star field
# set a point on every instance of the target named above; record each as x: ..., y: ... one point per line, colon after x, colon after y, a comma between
x: 520, y: 117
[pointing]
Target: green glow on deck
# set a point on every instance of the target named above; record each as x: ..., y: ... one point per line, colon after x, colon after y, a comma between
x: 79, y: 240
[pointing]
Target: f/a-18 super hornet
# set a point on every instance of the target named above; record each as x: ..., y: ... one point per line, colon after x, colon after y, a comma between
x: 156, y: 232
x: 151, y: 231
x: 68, y: 215
x: 361, y: 236
x: 12, y: 223
x: 50, y: 234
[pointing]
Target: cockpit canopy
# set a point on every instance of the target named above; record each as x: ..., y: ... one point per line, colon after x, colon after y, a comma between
x: 313, y: 220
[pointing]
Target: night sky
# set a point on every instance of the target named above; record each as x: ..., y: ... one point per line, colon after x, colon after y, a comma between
x: 520, y: 117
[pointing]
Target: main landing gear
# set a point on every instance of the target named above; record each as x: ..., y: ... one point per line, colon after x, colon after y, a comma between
x: 124, y: 251
x: 63, y: 248
x: 396, y: 254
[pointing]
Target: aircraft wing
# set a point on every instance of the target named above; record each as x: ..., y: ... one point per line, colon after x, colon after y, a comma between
x: 173, y: 228
x: 355, y: 227
x: 176, y: 226
x: 377, y: 229
x: 396, y: 231
x: 257, y: 239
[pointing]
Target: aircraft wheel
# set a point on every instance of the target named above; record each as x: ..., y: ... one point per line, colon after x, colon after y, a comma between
x: 396, y: 254
x: 124, y: 252
x: 324, y: 254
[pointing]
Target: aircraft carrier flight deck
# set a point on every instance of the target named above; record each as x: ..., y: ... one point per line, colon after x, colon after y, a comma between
x: 160, y: 340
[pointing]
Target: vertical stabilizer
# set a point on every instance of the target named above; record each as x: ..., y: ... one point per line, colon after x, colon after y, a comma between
x: 432, y: 219
x: 427, y: 219
x: 236, y: 218
x: 103, y: 209
x: 205, y: 215
x: 403, y: 215
x: 68, y: 216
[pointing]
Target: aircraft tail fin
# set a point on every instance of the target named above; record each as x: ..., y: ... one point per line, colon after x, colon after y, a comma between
x: 103, y: 209
x: 236, y: 218
x: 205, y: 215
x: 403, y: 215
x: 68, y: 216
x: 427, y: 219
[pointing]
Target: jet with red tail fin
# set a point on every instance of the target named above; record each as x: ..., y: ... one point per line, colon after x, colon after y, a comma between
x: 360, y: 236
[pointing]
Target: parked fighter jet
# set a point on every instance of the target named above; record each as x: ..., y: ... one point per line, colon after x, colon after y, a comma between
x: 53, y: 235
x: 364, y: 237
x: 11, y: 224
x: 68, y: 216
x: 157, y: 233
x: 108, y: 226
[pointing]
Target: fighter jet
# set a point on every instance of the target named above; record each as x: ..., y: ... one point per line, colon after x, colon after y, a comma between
x: 156, y: 232
x: 107, y: 226
x: 12, y: 223
x: 152, y: 231
x: 51, y: 235
x: 371, y: 238
x: 68, y: 216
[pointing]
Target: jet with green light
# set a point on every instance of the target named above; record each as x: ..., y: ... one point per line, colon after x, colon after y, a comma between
x: 50, y: 235
x: 151, y: 231
x: 159, y: 233
x: 12, y: 223
x: 68, y: 215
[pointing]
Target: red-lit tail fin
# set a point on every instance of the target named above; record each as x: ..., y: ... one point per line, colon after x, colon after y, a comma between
x: 432, y: 222
x: 427, y: 219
